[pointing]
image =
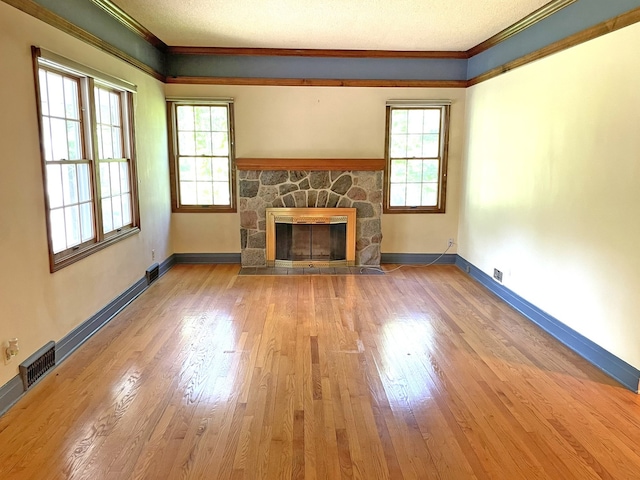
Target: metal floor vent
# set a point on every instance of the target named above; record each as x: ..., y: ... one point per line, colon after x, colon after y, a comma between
x: 38, y: 364
x: 153, y: 272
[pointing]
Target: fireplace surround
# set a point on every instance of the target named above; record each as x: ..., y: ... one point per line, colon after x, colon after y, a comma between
x: 273, y: 187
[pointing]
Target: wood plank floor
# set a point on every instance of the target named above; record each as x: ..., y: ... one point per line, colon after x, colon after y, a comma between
x: 417, y: 374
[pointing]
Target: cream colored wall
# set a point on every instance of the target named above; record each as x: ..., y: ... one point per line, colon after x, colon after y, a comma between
x: 317, y: 122
x: 551, y: 187
x: 37, y: 306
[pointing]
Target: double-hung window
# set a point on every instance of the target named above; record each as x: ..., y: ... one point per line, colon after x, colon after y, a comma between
x: 86, y: 132
x: 416, y: 155
x: 201, y: 155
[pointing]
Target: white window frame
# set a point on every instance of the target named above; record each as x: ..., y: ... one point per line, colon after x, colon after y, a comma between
x: 123, y: 185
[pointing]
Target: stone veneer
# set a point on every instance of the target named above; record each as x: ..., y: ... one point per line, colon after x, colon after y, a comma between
x: 259, y: 190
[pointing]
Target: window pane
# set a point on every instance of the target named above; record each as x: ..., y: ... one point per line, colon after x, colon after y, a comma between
x: 114, y: 167
x: 104, y: 106
x: 46, y: 137
x: 107, y: 142
x: 124, y: 177
x: 430, y: 194
x: 205, y: 193
x: 414, y: 171
x: 44, y: 95
x: 186, y: 143
x: 187, y: 168
x: 219, y: 116
x: 220, y: 143
x: 72, y: 221
x: 203, y: 166
x: 84, y: 183
x: 58, y: 237
x: 69, y: 185
x: 188, y: 193
x: 399, y: 121
x: 116, y: 210
x: 416, y: 121
x: 86, y: 221
x: 397, y: 194
x: 203, y: 143
x: 56, y: 95
x: 430, y: 171
x: 126, y: 209
x: 432, y: 121
x: 117, y: 143
x: 221, y: 194
x: 115, y: 108
x: 107, y: 219
x: 202, y: 118
x: 414, y: 146
x: 413, y: 194
x: 220, y: 169
x: 430, y: 145
x: 185, y: 118
x: 398, y: 146
x: 398, y: 170
x: 54, y: 186
x: 71, y: 99
x: 105, y: 184
x: 74, y: 139
x: 59, y: 139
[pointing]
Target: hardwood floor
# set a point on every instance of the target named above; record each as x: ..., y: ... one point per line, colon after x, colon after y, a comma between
x: 417, y: 374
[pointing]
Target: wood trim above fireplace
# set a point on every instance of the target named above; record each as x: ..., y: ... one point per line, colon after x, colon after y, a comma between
x: 354, y: 164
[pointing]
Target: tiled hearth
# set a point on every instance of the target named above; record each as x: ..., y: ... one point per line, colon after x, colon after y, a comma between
x: 262, y: 189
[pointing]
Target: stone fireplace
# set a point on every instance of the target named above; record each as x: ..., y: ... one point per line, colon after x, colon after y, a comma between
x: 259, y: 189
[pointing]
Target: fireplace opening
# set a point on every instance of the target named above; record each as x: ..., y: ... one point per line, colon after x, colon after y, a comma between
x: 303, y: 237
x: 300, y: 242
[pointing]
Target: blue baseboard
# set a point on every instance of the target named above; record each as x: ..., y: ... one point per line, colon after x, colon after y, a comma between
x: 207, y: 258
x: 13, y: 389
x: 418, y: 258
x: 613, y: 366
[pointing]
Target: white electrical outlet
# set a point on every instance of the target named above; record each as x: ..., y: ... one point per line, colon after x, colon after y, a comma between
x: 153, y: 255
x: 451, y: 242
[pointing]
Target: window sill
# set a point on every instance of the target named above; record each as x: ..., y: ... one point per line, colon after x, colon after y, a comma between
x: 211, y: 209
x: 61, y: 263
x: 412, y: 210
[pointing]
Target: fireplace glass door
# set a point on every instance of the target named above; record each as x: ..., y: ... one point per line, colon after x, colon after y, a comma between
x: 299, y: 242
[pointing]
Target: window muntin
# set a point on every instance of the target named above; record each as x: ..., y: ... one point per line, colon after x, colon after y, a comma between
x: 86, y: 141
x: 416, y: 158
x: 202, y: 156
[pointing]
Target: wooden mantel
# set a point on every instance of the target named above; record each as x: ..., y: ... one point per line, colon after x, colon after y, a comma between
x: 353, y: 164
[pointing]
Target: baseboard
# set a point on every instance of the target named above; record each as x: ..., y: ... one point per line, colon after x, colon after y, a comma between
x: 10, y: 393
x: 419, y: 258
x: 618, y: 369
x: 13, y: 389
x: 207, y: 258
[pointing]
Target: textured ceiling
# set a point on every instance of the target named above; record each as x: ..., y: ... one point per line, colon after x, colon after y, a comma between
x: 446, y: 25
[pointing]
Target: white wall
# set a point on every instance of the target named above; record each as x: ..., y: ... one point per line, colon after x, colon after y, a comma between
x: 322, y: 122
x: 551, y: 187
x: 35, y: 305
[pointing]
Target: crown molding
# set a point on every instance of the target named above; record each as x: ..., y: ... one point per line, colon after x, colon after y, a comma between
x: 37, y: 11
x: 316, y: 82
x: 596, y: 31
x: 131, y: 23
x: 311, y: 52
x: 540, y: 14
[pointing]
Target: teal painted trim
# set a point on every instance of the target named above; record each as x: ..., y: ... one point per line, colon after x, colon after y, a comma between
x: 167, y: 264
x: 10, y: 393
x: 93, y: 19
x: 207, y: 258
x: 248, y: 66
x: 613, y: 366
x: 418, y: 258
x: 572, y: 19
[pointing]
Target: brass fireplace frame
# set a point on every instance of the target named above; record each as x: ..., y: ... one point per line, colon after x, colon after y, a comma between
x: 310, y: 216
